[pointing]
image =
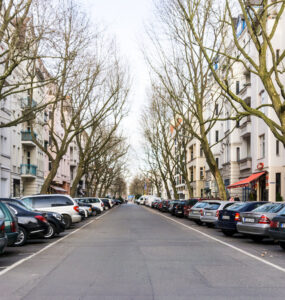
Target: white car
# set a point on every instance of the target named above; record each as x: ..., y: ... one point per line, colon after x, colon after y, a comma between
x: 150, y: 199
x: 59, y: 203
x: 96, y: 202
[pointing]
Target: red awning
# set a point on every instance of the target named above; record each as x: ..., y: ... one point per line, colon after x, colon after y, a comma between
x: 246, y: 181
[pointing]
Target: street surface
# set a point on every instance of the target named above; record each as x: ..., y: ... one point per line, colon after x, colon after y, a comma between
x: 133, y: 252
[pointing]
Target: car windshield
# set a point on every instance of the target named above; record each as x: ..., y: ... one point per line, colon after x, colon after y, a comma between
x: 236, y: 206
x: 201, y: 205
x: 270, y: 207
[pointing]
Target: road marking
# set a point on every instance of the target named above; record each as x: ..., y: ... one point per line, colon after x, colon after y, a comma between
x: 223, y: 243
x: 50, y: 245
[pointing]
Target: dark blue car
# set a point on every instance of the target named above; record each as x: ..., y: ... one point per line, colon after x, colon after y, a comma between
x: 229, y: 217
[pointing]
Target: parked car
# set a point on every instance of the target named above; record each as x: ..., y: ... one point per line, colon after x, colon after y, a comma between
x: 256, y: 223
x: 91, y: 211
x: 172, y: 206
x: 155, y: 203
x: 179, y: 209
x: 164, y: 205
x: 55, y: 220
x: 196, y: 211
x: 277, y: 228
x: 211, y: 212
x: 150, y: 199
x: 62, y: 204
x: 141, y: 200
x: 230, y: 216
x: 106, y: 202
x: 31, y: 224
x: 95, y: 202
x: 110, y: 201
x: 10, y: 223
x: 189, y: 203
x: 3, y: 236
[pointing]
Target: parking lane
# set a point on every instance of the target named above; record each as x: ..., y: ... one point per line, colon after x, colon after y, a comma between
x: 267, y: 249
x: 13, y: 256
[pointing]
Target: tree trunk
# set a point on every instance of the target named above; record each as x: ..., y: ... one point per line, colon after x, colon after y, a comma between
x: 51, y: 175
x: 214, y: 169
x: 79, y: 174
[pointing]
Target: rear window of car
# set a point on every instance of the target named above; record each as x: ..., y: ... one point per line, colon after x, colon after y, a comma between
x: 270, y: 207
x: 2, y: 215
x: 201, y: 205
x: 213, y: 206
x: 93, y: 200
x: 236, y: 206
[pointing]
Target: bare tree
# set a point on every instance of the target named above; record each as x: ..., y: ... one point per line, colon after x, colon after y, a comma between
x: 256, y: 52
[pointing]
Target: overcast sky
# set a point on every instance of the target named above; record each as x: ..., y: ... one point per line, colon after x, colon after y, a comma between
x: 125, y: 20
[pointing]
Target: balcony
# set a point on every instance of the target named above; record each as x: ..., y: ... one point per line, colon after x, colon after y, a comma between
x: 245, y: 127
x: 28, y: 103
x: 26, y: 138
x: 245, y: 163
x: 28, y: 171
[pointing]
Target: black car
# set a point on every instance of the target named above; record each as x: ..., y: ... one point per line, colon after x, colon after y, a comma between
x: 229, y: 217
x: 179, y: 209
x: 172, y: 206
x: 277, y: 228
x: 55, y: 220
x: 106, y: 203
x: 31, y: 224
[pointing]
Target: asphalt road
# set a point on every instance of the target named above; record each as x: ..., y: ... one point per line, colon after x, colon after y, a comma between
x: 135, y: 253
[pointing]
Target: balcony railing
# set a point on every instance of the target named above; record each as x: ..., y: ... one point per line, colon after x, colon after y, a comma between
x: 27, y: 136
x: 28, y: 169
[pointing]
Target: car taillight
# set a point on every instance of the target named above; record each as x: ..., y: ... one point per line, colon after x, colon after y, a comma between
x: 2, y: 228
x: 201, y: 212
x: 76, y: 208
x: 102, y: 204
x: 237, y: 217
x: 274, y: 224
x: 264, y: 220
x: 41, y: 218
x: 13, y: 226
x: 217, y: 213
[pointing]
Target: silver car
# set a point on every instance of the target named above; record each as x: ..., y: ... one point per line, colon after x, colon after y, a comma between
x: 211, y: 212
x: 256, y: 223
x: 196, y: 211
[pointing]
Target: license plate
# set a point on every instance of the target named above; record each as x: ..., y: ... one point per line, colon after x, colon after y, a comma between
x: 282, y: 225
x: 195, y: 212
x: 226, y: 217
x: 208, y: 214
x: 248, y: 220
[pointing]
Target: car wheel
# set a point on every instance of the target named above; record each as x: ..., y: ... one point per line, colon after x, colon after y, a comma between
x: 282, y: 245
x: 67, y: 221
x: 22, y: 237
x: 257, y: 238
x: 51, y: 231
x: 228, y: 232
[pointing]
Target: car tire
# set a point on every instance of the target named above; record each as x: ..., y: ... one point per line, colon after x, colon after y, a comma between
x: 51, y: 231
x: 282, y: 245
x: 228, y: 232
x: 67, y: 221
x: 22, y: 237
x: 257, y: 238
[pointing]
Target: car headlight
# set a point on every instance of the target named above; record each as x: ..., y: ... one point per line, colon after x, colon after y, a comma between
x: 57, y: 216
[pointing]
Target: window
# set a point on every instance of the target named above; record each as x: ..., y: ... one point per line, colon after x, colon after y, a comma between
x: 60, y: 201
x: 49, y: 165
x: 262, y: 100
x: 237, y: 87
x: 278, y: 184
x: 201, y: 173
x: 238, y: 153
x: 277, y: 148
x: 40, y: 202
x: 201, y: 151
x: 216, y: 109
x: 217, y: 162
x: 262, y: 146
x: 217, y: 135
x: 191, y: 175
